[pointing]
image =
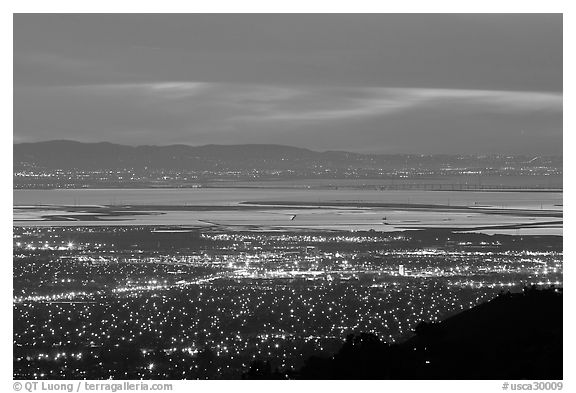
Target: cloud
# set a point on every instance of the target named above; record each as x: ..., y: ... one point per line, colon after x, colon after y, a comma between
x: 260, y: 103
x: 201, y: 112
x: 338, y: 104
x: 161, y: 90
x: 490, y: 99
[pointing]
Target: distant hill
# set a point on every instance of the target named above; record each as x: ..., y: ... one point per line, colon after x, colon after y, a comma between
x: 514, y: 336
x: 68, y: 155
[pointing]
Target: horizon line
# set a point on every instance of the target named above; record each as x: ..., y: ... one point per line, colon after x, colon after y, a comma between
x: 289, y: 146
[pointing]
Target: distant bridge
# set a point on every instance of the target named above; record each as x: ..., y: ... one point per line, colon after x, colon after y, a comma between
x: 463, y: 187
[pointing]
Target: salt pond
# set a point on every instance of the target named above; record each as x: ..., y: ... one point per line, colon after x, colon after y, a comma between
x: 524, y: 212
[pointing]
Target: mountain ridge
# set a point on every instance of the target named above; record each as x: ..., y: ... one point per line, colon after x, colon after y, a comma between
x: 73, y: 164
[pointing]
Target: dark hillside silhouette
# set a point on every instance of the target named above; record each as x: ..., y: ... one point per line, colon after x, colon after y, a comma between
x: 514, y: 336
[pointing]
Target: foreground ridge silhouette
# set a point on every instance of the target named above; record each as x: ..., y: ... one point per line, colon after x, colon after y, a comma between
x: 513, y: 336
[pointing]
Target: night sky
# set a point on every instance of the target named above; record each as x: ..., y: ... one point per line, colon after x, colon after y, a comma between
x: 390, y: 83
